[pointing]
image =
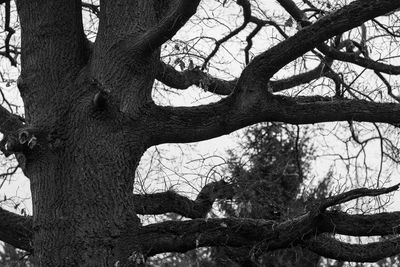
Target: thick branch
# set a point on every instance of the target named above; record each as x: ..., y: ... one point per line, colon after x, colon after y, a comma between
x: 387, y: 223
x: 9, y: 122
x: 186, y: 235
x: 346, y: 18
x: 165, y: 30
x: 16, y: 230
x: 183, y: 80
x: 354, y: 194
x: 371, y: 252
x: 236, y: 232
x: 251, y: 103
x: 170, y: 201
x: 183, y: 236
x: 190, y: 124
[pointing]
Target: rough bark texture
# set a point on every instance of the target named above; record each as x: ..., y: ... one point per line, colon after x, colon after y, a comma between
x: 90, y: 117
x: 83, y: 167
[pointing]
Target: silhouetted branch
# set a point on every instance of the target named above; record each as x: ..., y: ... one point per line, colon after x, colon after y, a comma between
x: 165, y: 30
x: 303, y: 230
x: 246, y: 14
x: 16, y: 230
x: 356, y: 59
x: 354, y: 194
x: 160, y: 203
x: 184, y: 79
x: 332, y: 248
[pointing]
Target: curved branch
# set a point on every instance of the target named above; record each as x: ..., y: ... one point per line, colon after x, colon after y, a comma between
x: 302, y: 78
x: 184, y: 79
x: 16, y: 230
x: 371, y: 252
x: 165, y: 30
x: 251, y: 102
x: 237, y: 232
x: 247, y: 15
x: 354, y: 194
x: 160, y: 203
x: 183, y: 236
x: 268, y: 63
x: 191, y: 124
x: 361, y: 61
x: 186, y: 235
x: 293, y: 10
x: 387, y: 223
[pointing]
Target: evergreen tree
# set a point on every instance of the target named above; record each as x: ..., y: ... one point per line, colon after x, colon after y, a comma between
x: 269, y: 178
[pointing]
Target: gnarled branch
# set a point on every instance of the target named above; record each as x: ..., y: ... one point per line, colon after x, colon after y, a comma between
x: 251, y: 103
x: 237, y: 232
x: 371, y: 252
x: 165, y: 30
x: 160, y: 203
x: 183, y: 80
x: 190, y: 124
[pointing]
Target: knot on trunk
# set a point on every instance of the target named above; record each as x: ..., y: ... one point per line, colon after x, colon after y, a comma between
x: 100, y: 99
x: 21, y: 141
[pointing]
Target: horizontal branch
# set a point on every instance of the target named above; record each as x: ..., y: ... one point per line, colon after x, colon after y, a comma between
x: 299, y: 79
x: 184, y: 79
x: 175, y: 236
x: 360, y: 61
x: 191, y: 124
x: 332, y: 248
x: 252, y: 103
x: 182, y: 236
x: 16, y: 230
x: 354, y: 194
x: 386, y: 223
x: 160, y: 203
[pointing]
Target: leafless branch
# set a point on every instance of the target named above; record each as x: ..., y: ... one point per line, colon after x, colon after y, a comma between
x: 165, y: 30
x: 16, y: 230
x: 160, y: 203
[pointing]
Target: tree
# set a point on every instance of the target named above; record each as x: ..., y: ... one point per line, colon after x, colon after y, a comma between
x: 90, y: 116
x: 267, y: 179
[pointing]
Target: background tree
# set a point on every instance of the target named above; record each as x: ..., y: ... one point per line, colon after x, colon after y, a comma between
x: 90, y: 114
x: 268, y: 177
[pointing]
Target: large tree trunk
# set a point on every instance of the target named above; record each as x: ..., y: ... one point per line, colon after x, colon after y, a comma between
x: 82, y: 170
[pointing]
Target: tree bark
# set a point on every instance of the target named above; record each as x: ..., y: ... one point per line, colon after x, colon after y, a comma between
x: 83, y: 166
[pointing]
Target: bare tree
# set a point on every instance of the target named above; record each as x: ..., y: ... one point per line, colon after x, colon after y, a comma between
x: 90, y: 116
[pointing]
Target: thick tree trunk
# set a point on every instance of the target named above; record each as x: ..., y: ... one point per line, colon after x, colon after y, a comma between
x: 82, y: 169
x: 82, y: 194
